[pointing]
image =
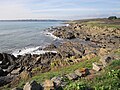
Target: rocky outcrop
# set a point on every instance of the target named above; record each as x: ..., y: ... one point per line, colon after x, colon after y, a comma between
x: 48, y: 85
x: 33, y: 85
x: 96, y: 67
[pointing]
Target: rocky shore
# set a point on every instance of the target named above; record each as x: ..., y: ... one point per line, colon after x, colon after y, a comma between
x: 82, y: 40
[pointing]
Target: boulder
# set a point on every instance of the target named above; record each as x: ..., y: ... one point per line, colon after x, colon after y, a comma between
x: 2, y: 72
x: 84, y: 71
x: 5, y: 80
x: 78, y: 72
x: 106, y: 59
x: 1, y: 57
x: 16, y: 71
x: 33, y: 85
x: 96, y: 67
x: 69, y: 35
x: 25, y: 75
x: 72, y: 76
x: 103, y: 51
x: 48, y: 85
x: 57, y: 81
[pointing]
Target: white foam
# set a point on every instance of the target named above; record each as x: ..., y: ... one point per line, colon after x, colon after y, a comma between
x: 0, y: 62
x: 33, y: 50
x: 53, y: 36
x: 67, y: 25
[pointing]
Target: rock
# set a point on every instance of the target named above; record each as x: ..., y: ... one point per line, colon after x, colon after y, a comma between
x: 1, y: 57
x: 69, y: 35
x: 78, y: 72
x: 72, y: 76
x: 5, y: 80
x: 10, y: 68
x: 16, y: 88
x: 96, y: 67
x: 25, y: 75
x: 2, y: 72
x: 16, y: 71
x: 89, y: 56
x: 33, y: 85
x: 77, y: 51
x: 48, y: 85
x: 50, y: 47
x: 57, y: 81
x: 105, y: 59
x: 6, y: 60
x: 84, y: 71
x: 103, y: 52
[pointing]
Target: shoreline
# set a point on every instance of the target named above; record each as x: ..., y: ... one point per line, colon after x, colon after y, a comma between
x: 80, y: 40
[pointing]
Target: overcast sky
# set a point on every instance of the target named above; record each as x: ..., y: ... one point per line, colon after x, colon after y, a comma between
x: 58, y: 9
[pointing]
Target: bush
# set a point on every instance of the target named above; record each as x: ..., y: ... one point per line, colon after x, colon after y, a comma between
x: 76, y: 86
x: 112, y: 17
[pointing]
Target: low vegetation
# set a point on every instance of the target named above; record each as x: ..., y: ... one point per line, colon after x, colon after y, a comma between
x: 107, y: 80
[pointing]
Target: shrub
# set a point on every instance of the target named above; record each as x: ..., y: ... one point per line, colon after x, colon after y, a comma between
x: 112, y: 17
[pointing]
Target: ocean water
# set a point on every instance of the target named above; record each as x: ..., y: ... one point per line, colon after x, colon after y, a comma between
x: 25, y: 37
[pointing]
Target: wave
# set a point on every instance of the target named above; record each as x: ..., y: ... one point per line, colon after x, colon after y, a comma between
x: 51, y: 35
x: 32, y: 50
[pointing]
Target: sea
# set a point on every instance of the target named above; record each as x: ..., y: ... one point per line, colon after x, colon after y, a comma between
x: 24, y: 37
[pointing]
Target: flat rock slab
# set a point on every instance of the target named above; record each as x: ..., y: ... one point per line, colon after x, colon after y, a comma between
x: 72, y: 76
x: 48, y: 85
x: 96, y: 67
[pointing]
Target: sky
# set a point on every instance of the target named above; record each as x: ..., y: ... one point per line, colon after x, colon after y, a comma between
x: 58, y: 9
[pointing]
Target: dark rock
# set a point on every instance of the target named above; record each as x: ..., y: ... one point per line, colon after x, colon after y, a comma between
x: 6, y: 60
x: 33, y: 85
x: 2, y: 72
x: 5, y: 80
x: 1, y: 57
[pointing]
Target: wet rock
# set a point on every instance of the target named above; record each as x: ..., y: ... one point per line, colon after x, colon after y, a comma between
x: 6, y: 60
x: 1, y: 57
x: 33, y: 85
x: 48, y: 85
x: 2, y: 72
x: 72, y: 76
x: 96, y: 67
x: 50, y: 47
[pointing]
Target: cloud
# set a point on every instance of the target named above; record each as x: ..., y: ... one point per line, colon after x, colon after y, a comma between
x: 57, y: 9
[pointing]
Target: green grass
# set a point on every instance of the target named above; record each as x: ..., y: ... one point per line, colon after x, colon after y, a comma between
x: 102, y: 25
x: 85, y: 64
x: 109, y: 79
